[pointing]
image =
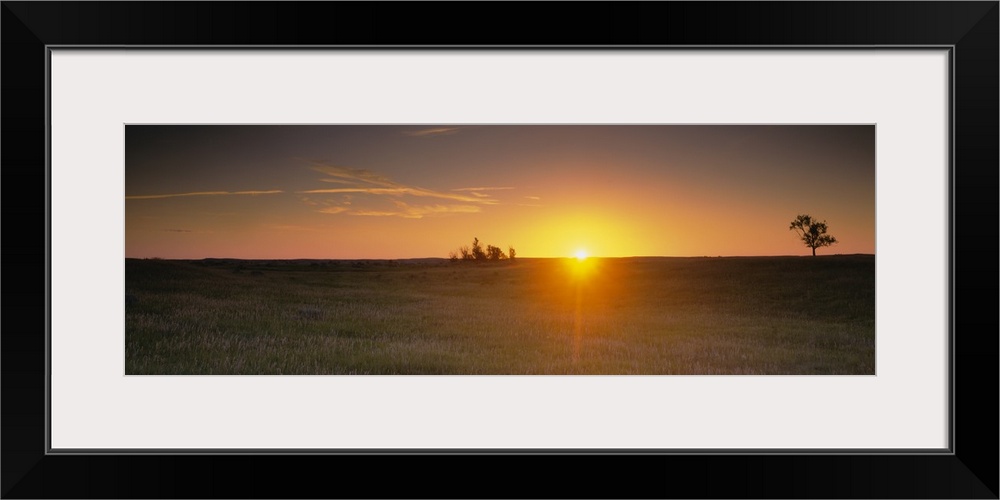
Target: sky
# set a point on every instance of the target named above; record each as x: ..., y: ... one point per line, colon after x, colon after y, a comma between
x: 414, y: 191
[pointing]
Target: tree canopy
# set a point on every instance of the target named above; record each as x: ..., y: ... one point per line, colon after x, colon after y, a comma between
x: 812, y: 232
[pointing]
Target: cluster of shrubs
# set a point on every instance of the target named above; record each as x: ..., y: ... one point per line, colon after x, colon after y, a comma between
x: 479, y: 254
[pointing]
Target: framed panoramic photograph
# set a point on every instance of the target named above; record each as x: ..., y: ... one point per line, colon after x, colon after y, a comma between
x: 689, y: 253
x: 656, y: 252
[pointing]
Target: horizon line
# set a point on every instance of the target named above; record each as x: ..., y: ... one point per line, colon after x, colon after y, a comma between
x: 518, y: 258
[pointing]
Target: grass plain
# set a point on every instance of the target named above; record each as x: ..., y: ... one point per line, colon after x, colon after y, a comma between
x: 638, y: 316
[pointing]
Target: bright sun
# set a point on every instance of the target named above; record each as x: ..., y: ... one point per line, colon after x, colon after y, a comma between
x: 581, y: 254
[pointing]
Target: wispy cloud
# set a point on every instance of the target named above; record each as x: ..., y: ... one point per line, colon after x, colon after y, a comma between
x: 490, y: 188
x: 333, y: 210
x: 408, y: 211
x: 418, y: 211
x: 430, y: 132
x: 346, y: 175
x: 404, y: 190
x: 360, y: 181
x: 337, y: 181
x: 481, y: 192
x: 371, y: 194
x: 200, y: 193
x: 375, y: 213
x: 533, y: 197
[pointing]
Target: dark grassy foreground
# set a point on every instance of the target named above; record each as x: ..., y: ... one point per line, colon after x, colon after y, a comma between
x: 754, y: 315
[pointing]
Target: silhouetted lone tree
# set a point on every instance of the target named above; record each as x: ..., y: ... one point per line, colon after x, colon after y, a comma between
x: 812, y: 232
x: 511, y: 253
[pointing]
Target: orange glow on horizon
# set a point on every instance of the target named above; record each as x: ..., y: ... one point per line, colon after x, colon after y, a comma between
x: 580, y: 193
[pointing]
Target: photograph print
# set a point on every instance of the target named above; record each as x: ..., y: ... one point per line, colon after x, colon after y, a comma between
x: 456, y: 249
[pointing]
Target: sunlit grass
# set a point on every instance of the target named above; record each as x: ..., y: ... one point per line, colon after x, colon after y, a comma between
x: 544, y: 316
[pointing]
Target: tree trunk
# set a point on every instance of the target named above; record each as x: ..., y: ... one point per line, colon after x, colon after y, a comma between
x: 814, y: 251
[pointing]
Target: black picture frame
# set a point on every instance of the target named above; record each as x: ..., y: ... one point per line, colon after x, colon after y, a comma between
x: 970, y: 29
